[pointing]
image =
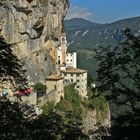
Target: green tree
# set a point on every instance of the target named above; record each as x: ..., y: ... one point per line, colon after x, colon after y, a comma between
x: 20, y: 122
x: 40, y: 89
x: 48, y: 108
x: 72, y: 96
x: 74, y: 127
x: 118, y: 78
x: 64, y: 106
x: 11, y: 67
x: 90, y: 80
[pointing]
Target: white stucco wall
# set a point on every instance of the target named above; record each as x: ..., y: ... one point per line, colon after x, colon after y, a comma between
x: 79, y: 79
x: 71, y: 60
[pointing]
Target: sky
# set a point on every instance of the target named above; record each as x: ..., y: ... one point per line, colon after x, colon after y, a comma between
x: 103, y: 11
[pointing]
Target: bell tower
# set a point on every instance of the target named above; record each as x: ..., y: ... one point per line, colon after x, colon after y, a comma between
x: 63, y: 42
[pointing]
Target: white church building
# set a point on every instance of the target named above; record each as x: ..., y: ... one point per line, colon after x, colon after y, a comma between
x: 67, y: 64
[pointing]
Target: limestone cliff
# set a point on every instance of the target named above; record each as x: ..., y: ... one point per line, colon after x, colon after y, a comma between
x: 28, y: 24
x: 97, y: 123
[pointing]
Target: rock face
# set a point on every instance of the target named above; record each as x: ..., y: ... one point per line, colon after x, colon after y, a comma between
x: 28, y: 24
x: 97, y: 124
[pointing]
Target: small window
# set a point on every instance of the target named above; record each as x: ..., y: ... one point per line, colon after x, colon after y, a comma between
x: 71, y: 80
x: 77, y: 86
x: 78, y: 80
x: 63, y: 39
x: 71, y: 74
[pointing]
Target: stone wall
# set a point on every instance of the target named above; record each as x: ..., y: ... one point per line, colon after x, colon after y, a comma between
x: 31, y: 99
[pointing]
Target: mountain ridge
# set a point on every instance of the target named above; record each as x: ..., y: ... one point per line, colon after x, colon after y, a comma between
x: 83, y: 22
x: 81, y: 32
x: 107, y: 23
x: 85, y: 39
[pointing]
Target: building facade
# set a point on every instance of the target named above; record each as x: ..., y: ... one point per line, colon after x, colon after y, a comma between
x: 55, y: 88
x: 77, y: 76
x: 51, y: 47
x: 71, y: 60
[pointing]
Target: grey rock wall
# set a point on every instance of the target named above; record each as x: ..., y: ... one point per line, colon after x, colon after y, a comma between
x: 28, y: 24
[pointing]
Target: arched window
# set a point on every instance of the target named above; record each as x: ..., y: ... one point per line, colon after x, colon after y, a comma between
x: 58, y: 61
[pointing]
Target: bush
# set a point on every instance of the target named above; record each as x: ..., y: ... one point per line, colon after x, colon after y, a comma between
x: 48, y: 108
x: 74, y: 98
x: 64, y: 106
x: 72, y: 95
x: 71, y: 102
x: 40, y: 88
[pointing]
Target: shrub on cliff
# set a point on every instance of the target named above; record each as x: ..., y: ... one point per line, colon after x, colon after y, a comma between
x: 40, y: 89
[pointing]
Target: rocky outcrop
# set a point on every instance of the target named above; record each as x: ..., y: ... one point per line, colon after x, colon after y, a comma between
x: 28, y: 24
x: 97, y: 123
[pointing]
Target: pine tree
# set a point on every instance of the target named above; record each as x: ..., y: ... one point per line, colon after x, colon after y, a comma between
x: 119, y: 79
x: 10, y: 66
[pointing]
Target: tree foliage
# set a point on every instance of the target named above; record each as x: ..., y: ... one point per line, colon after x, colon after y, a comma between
x: 64, y: 106
x: 10, y: 66
x: 72, y: 96
x: 20, y: 122
x: 40, y: 89
x: 48, y: 108
x: 90, y: 80
x: 118, y: 77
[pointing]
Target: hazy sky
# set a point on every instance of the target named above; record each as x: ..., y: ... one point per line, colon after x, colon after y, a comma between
x: 103, y: 11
